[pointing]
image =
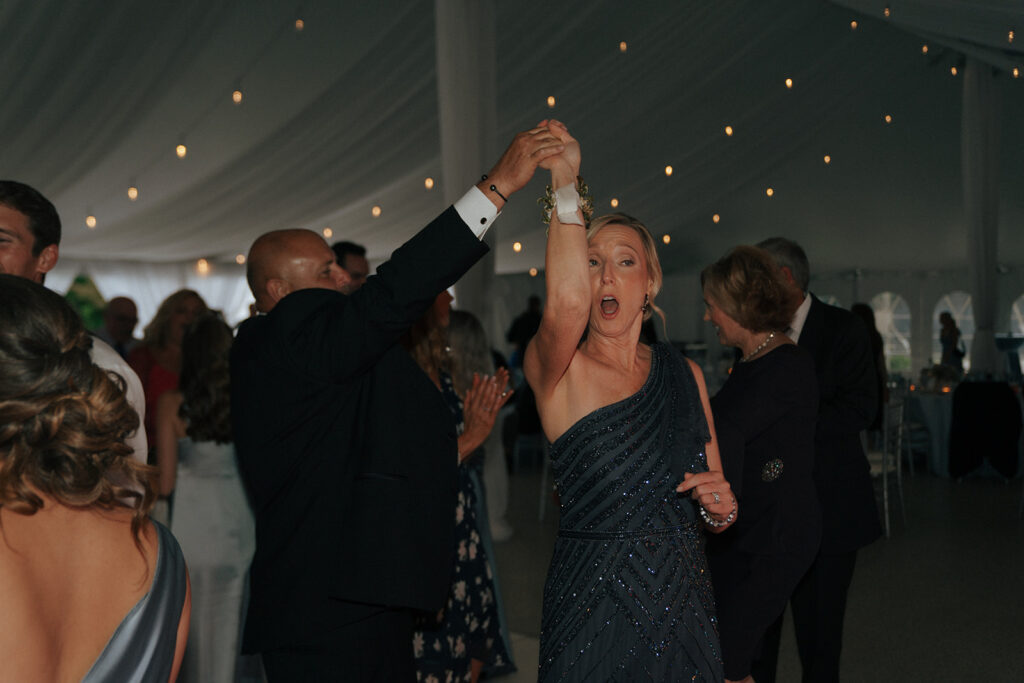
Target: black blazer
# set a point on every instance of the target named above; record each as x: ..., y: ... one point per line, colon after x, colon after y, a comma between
x: 347, y: 449
x: 841, y: 348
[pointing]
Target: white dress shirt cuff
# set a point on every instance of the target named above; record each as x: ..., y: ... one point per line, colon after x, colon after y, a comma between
x: 476, y: 211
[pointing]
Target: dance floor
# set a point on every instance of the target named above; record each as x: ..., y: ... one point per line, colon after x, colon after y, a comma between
x: 941, y: 600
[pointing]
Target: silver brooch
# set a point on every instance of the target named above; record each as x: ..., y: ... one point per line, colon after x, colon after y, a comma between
x: 772, y: 470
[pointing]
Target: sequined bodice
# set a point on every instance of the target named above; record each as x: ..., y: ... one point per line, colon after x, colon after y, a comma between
x: 617, y: 468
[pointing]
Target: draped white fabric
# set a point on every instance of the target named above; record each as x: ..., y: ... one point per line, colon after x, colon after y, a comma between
x: 344, y: 115
x: 980, y: 145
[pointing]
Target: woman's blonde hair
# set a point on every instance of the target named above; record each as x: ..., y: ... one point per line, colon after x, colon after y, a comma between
x: 650, y: 255
x: 747, y: 285
x: 63, y: 420
x: 158, y: 330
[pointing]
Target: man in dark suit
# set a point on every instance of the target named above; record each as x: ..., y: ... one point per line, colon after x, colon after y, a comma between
x: 347, y: 449
x: 848, y: 399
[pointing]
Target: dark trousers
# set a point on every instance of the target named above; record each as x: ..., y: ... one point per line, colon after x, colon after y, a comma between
x: 377, y: 648
x: 819, y: 606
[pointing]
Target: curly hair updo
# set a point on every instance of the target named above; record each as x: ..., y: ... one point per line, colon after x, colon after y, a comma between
x: 63, y: 420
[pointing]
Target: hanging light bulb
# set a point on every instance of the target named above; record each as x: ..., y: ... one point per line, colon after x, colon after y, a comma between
x: 1016, y: 72
x: 728, y: 131
x: 666, y: 238
x: 887, y: 12
x: 828, y: 159
x: 614, y: 202
x: 328, y: 233
x: 770, y: 192
x: 1010, y: 37
x: 90, y: 221
x: 789, y: 83
x: 236, y: 97
x: 299, y: 24
x: 240, y: 259
x: 181, y: 151
x: 428, y: 183
x: 924, y: 49
x: 517, y: 247
x: 888, y: 118
x: 622, y: 46
x: 668, y: 170
x: 551, y: 101
x: 133, y: 193
x: 375, y: 212
x: 952, y: 70
x: 716, y: 218
x: 853, y: 25
x: 533, y: 272
x: 203, y: 267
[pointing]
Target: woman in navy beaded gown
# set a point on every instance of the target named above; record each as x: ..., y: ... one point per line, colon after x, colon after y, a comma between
x: 628, y: 595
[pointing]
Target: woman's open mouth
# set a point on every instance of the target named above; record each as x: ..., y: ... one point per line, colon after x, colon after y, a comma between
x: 609, y: 306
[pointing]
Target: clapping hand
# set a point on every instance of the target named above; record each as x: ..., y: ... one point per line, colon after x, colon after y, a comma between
x: 484, y: 400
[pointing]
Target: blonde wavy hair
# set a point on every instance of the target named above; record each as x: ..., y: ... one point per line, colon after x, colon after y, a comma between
x: 63, y: 420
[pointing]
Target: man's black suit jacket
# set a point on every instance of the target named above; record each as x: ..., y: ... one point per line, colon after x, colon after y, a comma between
x: 839, y: 343
x: 347, y: 449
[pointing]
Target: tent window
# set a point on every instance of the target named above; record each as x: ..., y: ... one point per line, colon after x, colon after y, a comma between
x: 959, y: 306
x: 892, y: 316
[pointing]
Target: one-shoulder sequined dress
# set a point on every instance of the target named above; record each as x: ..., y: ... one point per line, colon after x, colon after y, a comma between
x: 628, y: 595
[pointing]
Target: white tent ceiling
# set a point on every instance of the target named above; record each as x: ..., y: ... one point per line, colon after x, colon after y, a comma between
x: 343, y: 115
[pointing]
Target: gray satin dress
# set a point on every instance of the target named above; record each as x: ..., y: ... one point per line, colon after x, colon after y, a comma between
x: 142, y: 648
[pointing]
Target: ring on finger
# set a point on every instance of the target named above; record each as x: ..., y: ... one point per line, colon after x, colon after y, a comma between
x: 718, y: 498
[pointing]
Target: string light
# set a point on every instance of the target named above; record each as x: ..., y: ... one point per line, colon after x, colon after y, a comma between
x: 668, y: 170
x: 375, y: 212
x: 236, y: 97
x: 952, y: 70
x: 240, y: 259
x: 328, y: 233
x: 133, y: 193
x: 428, y: 183
x: 853, y: 25
x: 622, y: 46
x: 551, y: 101
x: 90, y: 221
x: 924, y: 49
x: 666, y: 238
x: 203, y: 267
x: 181, y: 151
x: 728, y: 131
x: 789, y: 83
x: 614, y: 202
x: 887, y: 12
x: 299, y: 24
x: 533, y: 272
x: 770, y: 192
x: 716, y: 218
x: 1016, y: 72
x: 888, y: 118
x: 828, y: 159
x: 1009, y: 37
x: 517, y: 247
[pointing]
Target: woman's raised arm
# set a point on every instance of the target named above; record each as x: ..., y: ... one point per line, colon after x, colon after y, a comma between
x: 567, y: 281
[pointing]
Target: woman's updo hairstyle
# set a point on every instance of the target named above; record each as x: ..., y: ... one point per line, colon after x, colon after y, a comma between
x: 747, y: 285
x: 63, y: 420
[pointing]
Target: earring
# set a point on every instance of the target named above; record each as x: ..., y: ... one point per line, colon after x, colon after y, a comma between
x: 647, y: 304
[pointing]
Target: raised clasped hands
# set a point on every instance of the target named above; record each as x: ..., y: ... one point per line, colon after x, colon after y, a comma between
x: 484, y: 400
x: 713, y: 492
x: 524, y: 154
x: 568, y: 160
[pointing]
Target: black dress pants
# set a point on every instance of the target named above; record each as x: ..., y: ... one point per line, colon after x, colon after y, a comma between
x: 819, y: 607
x: 376, y: 648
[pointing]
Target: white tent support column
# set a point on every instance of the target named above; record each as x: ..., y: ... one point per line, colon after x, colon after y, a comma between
x: 467, y: 102
x: 980, y: 164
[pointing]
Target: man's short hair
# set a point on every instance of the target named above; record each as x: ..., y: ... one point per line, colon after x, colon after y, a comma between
x: 343, y: 249
x: 789, y: 254
x: 43, y: 221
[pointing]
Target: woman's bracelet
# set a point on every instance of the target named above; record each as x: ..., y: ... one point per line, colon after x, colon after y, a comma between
x: 584, y: 201
x: 714, y: 523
